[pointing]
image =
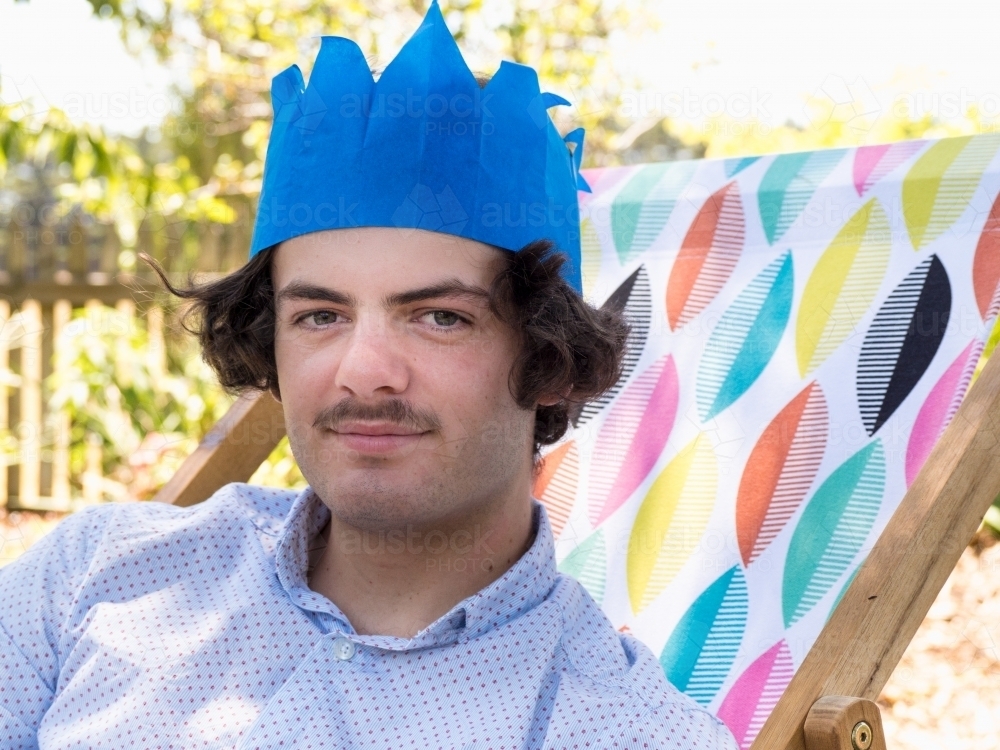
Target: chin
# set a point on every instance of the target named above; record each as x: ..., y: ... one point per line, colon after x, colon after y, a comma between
x: 381, y: 501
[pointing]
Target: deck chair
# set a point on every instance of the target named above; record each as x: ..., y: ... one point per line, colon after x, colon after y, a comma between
x: 790, y: 467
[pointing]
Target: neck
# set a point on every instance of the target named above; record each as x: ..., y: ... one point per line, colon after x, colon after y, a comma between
x: 397, y: 582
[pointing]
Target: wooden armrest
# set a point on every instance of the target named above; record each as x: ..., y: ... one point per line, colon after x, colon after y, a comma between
x: 230, y: 452
x: 837, y: 722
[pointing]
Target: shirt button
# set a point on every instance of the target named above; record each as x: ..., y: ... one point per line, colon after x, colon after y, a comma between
x: 343, y: 649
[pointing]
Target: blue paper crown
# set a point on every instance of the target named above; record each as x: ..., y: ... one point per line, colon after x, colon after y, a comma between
x: 423, y: 147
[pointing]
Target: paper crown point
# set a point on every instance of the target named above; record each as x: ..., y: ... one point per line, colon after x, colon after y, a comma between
x: 425, y: 146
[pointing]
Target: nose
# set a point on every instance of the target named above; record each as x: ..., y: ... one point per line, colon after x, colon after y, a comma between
x: 373, y: 362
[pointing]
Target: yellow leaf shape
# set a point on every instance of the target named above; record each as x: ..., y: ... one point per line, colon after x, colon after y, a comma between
x: 590, y: 251
x: 939, y: 185
x: 671, y: 521
x: 842, y: 285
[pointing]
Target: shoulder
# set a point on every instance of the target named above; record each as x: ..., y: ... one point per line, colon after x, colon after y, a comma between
x: 264, y: 507
x: 233, y: 515
x: 117, y: 530
x: 616, y: 668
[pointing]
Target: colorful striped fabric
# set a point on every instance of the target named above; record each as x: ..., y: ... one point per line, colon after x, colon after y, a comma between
x: 804, y: 326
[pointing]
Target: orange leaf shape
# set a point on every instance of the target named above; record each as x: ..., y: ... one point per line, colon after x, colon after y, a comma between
x: 780, y: 470
x: 986, y: 264
x: 555, y: 484
x: 707, y: 256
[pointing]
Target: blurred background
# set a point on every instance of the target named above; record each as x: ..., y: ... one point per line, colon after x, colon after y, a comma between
x: 132, y: 126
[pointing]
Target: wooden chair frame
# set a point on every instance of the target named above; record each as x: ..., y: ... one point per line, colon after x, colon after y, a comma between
x: 828, y: 704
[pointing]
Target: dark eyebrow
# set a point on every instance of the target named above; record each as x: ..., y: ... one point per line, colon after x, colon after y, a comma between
x: 298, y: 290
x: 450, y: 288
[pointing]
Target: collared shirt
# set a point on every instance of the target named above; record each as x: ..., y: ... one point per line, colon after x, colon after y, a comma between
x: 143, y: 625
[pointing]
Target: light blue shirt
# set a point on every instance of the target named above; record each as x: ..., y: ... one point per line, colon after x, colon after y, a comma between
x: 143, y: 625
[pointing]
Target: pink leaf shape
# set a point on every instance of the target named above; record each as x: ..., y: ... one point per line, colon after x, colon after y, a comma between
x: 602, y: 180
x: 872, y: 163
x: 940, y: 406
x: 632, y: 438
x: 756, y: 692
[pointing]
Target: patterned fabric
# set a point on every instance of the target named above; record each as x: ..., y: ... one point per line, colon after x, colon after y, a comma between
x: 804, y: 327
x: 145, y: 625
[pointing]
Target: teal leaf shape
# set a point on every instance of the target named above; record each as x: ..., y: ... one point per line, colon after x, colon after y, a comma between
x: 643, y: 207
x: 738, y: 164
x: 832, y: 529
x: 701, y: 650
x: 745, y: 338
x: 587, y: 563
x: 788, y: 184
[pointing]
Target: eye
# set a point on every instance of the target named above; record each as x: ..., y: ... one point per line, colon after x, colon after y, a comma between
x: 444, y: 318
x: 320, y: 317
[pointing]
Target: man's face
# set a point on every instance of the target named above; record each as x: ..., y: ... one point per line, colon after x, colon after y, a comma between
x: 394, y: 376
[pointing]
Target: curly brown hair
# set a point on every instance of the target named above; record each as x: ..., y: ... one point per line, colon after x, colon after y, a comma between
x: 566, y: 346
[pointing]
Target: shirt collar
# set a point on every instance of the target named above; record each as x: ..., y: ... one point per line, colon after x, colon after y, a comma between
x: 524, y: 586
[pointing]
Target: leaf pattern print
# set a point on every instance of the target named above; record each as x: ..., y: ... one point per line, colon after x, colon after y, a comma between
x: 633, y: 298
x: 701, y: 650
x: 940, y: 184
x: 590, y: 256
x: 986, y: 265
x: 832, y: 529
x: 872, y: 163
x: 789, y: 184
x: 587, y: 563
x: 707, y: 257
x: 671, y: 521
x: 644, y: 205
x: 940, y: 406
x: 556, y: 484
x: 780, y: 471
x: 842, y: 286
x: 902, y: 341
x: 756, y: 692
x: 733, y: 167
x: 745, y: 338
x: 632, y: 438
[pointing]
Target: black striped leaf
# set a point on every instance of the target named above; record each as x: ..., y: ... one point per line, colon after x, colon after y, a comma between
x: 902, y: 341
x: 633, y: 298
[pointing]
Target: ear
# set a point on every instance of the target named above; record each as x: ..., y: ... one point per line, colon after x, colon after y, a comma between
x: 275, y: 393
x: 551, y: 399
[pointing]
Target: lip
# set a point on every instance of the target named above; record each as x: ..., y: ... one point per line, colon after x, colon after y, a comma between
x: 377, y: 438
x: 376, y: 429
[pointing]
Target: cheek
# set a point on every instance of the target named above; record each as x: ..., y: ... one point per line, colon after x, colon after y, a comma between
x: 304, y: 373
x: 471, y: 378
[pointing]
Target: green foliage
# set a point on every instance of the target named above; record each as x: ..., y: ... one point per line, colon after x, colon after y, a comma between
x: 830, y: 126
x: 111, y: 386
x: 992, y: 519
x: 146, y: 411
x: 233, y: 48
x: 107, y: 177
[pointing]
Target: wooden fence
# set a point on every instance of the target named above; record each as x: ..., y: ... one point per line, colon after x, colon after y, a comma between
x: 49, y: 268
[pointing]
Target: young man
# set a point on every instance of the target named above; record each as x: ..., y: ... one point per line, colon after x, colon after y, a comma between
x: 409, y: 597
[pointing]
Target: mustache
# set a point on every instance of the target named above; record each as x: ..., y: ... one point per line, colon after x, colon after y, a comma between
x: 394, y: 410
